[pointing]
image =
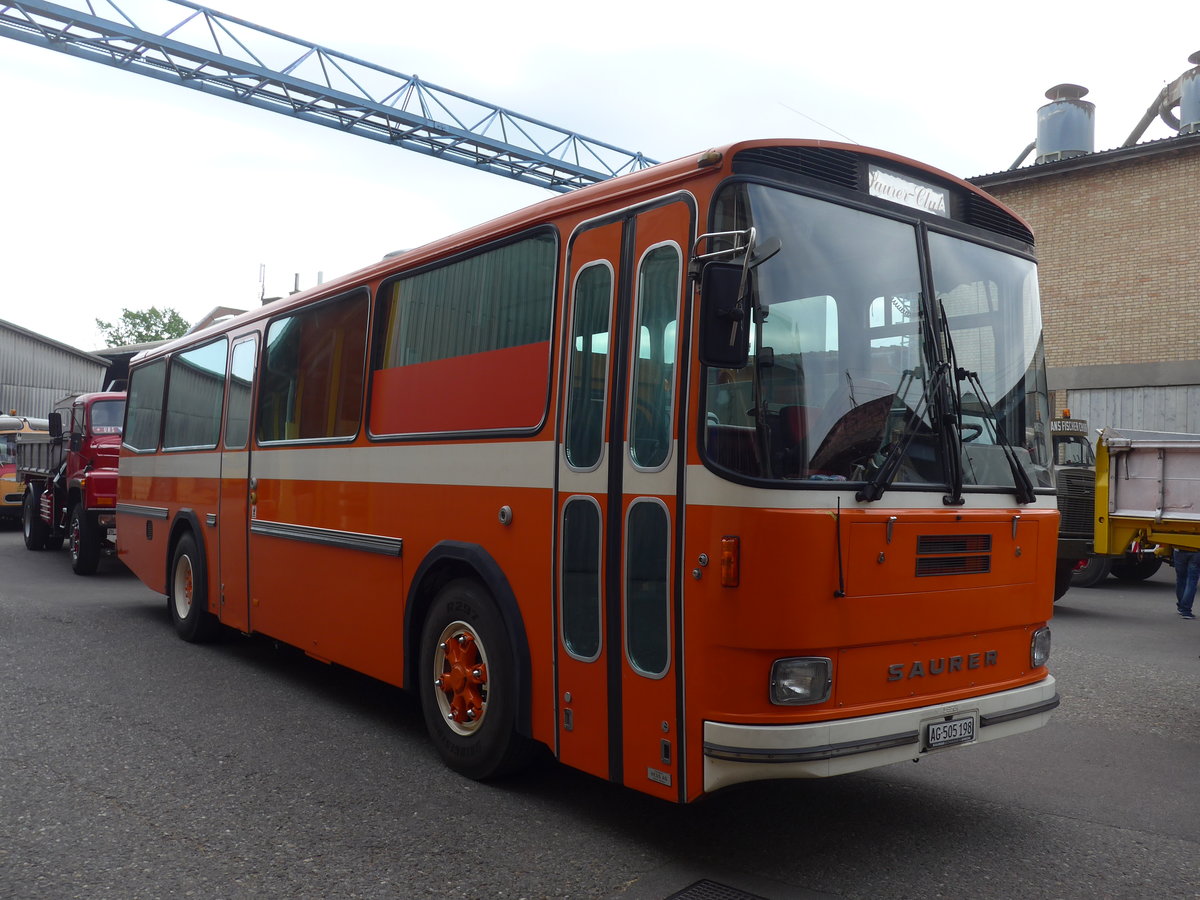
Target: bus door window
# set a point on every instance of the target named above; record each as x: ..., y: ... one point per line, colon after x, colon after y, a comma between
x: 651, y: 421
x: 651, y: 430
x: 647, y: 587
x: 582, y: 553
x: 583, y: 451
x: 586, y: 401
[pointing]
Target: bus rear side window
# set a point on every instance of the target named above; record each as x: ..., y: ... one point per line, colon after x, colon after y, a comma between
x: 145, y: 405
x: 195, y: 394
x: 466, y: 346
x: 312, y: 380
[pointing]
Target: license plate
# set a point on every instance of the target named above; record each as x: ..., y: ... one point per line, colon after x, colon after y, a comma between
x: 950, y: 732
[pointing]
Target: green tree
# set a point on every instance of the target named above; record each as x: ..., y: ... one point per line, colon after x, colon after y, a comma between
x: 141, y: 326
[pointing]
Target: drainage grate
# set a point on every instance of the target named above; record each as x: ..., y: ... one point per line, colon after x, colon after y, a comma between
x: 712, y: 890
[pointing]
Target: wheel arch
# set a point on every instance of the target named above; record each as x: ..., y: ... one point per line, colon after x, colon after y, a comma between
x: 185, y: 520
x: 447, y: 561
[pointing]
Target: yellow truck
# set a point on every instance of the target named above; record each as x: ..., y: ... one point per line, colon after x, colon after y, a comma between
x: 1091, y: 544
x: 1147, y: 490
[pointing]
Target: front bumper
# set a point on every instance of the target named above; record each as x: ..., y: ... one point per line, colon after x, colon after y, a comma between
x: 739, y: 753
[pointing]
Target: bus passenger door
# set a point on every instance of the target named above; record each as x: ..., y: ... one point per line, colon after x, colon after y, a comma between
x: 619, y: 672
x: 233, y: 512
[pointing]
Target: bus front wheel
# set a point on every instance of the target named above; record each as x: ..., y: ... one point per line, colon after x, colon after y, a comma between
x: 468, y: 683
x: 188, y: 594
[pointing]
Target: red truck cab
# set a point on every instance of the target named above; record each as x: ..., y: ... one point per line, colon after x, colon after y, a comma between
x: 70, y: 478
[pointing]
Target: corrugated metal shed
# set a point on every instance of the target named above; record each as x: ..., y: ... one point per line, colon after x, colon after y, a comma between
x: 36, y: 371
x: 1159, y: 408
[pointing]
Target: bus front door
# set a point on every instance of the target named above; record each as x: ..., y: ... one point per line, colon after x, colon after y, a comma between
x: 619, y: 672
x: 233, y: 514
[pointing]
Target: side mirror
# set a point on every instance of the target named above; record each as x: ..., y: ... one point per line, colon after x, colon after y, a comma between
x: 725, y: 315
x: 56, y: 425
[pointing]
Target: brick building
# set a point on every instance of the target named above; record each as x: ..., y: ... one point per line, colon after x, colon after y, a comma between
x: 1118, y: 236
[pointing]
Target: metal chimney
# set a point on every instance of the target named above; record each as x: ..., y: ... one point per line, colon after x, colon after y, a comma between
x: 1067, y: 125
x: 1189, y: 97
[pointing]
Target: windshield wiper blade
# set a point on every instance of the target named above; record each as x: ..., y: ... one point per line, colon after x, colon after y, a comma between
x: 886, y: 473
x: 1021, y: 480
x: 1022, y: 485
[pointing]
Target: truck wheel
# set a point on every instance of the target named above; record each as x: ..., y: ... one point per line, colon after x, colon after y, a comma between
x: 35, y: 530
x: 468, y: 684
x: 188, y: 592
x: 1092, y: 572
x: 85, y: 542
x: 1139, y: 570
x: 1063, y: 573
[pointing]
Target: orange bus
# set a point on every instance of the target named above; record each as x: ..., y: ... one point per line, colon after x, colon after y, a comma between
x: 734, y: 468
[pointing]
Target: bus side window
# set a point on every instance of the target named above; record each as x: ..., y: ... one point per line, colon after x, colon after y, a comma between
x: 312, y: 385
x: 145, y: 405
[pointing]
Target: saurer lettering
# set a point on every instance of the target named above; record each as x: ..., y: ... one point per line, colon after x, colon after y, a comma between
x: 922, y: 668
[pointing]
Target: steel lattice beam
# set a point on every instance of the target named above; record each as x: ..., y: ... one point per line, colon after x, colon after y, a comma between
x: 208, y: 51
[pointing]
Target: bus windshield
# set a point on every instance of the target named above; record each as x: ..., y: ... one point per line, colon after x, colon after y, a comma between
x: 846, y: 348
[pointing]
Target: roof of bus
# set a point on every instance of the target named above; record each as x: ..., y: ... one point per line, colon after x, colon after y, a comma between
x: 658, y: 176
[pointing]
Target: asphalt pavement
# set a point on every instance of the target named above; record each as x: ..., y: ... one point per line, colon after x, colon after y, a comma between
x: 133, y: 765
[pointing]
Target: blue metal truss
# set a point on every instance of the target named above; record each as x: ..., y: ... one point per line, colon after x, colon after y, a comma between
x: 182, y: 43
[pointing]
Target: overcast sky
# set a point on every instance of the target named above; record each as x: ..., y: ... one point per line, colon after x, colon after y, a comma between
x: 120, y: 191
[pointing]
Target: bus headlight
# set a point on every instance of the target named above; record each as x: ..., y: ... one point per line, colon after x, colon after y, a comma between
x: 801, y: 680
x: 1039, y: 648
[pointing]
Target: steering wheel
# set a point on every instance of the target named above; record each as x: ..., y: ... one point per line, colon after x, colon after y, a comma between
x: 970, y: 431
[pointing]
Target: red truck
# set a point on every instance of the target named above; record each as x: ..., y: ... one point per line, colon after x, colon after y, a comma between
x: 70, y: 476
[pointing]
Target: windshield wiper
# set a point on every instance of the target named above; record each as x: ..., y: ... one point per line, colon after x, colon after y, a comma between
x: 1022, y: 485
x: 1021, y: 480
x: 886, y: 473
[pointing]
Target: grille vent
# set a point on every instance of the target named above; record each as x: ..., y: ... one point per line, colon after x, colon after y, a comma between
x: 954, y: 543
x: 953, y: 554
x: 953, y: 565
x: 981, y: 214
x: 832, y: 166
x: 1076, y: 500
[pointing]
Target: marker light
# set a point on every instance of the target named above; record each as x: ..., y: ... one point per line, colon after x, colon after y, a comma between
x: 1039, y: 648
x: 801, y: 680
x: 731, y: 561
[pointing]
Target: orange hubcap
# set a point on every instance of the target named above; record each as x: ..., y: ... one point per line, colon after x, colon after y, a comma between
x: 462, y: 678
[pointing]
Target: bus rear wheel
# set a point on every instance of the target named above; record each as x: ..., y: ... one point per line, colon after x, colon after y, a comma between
x: 188, y: 593
x: 468, y: 683
x: 84, y: 542
x: 35, y: 531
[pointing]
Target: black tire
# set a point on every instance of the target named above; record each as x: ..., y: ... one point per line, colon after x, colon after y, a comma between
x: 84, y: 542
x: 36, y: 531
x: 1062, y: 577
x: 187, y: 594
x: 467, y: 684
x: 1091, y: 573
x: 1136, y: 570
